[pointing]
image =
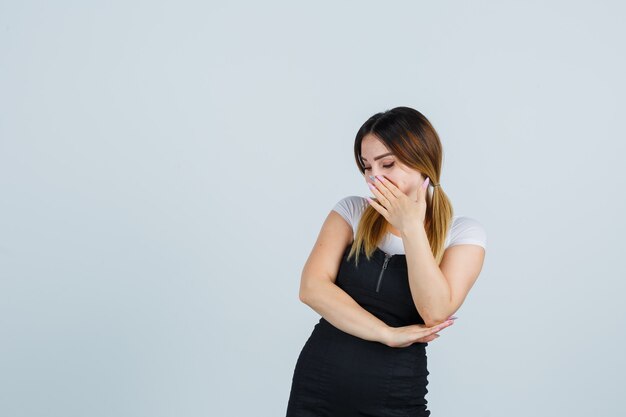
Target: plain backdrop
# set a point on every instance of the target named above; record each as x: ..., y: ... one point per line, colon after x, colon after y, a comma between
x: 166, y: 166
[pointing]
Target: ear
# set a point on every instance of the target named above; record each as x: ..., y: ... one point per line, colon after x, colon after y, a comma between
x: 423, y: 191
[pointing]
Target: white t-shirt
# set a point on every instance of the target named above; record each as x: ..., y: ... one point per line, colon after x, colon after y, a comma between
x: 464, y: 230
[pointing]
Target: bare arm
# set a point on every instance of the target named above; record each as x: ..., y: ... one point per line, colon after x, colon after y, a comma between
x: 439, y: 290
x: 319, y: 291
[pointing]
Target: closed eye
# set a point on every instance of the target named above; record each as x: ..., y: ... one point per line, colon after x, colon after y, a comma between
x: 384, y: 166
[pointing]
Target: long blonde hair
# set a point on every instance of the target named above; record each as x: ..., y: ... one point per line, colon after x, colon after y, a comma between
x: 413, y: 140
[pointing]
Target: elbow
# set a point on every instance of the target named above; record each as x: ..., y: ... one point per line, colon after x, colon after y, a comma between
x: 302, y: 297
x: 305, y: 294
x: 309, y: 292
x: 430, y: 321
x: 435, y: 316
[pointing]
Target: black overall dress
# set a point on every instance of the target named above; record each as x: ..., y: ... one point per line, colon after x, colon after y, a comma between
x: 341, y: 375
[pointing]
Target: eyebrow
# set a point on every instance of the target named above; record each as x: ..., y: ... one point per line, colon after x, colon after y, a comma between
x: 379, y: 156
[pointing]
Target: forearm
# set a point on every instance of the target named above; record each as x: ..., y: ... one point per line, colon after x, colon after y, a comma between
x: 429, y: 288
x: 340, y: 310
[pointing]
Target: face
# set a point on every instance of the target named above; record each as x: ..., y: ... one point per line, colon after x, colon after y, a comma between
x: 406, y: 179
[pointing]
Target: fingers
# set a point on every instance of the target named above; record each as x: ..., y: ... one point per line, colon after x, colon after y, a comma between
x: 407, y: 335
x: 428, y: 338
x: 430, y: 333
x: 441, y: 326
x: 378, y: 207
x: 445, y: 324
x: 383, y: 201
x: 387, y: 186
x: 382, y: 186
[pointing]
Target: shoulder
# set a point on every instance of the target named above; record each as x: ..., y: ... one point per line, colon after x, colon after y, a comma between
x: 466, y: 230
x: 352, y: 202
x: 350, y: 208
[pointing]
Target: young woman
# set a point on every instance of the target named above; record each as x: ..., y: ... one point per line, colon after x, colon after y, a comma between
x: 386, y: 274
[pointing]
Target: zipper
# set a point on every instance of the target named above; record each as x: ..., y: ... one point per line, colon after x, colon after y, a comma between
x: 380, y: 276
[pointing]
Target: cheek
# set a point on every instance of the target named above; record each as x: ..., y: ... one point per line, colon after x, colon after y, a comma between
x: 404, y: 181
x: 399, y: 180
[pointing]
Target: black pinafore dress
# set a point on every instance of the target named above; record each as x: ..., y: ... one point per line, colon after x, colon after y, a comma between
x: 341, y: 375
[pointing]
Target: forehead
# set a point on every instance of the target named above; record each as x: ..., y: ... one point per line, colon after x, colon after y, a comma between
x: 372, y: 147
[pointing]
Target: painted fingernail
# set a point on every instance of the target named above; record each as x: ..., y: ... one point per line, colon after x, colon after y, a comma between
x: 425, y: 185
x: 452, y: 318
x: 372, y: 177
x: 380, y: 178
x: 371, y: 186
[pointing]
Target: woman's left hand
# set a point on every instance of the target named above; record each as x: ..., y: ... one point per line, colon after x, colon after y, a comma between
x: 398, y: 208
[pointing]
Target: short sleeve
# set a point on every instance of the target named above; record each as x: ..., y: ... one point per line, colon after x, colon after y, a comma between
x: 467, y: 230
x: 351, y: 208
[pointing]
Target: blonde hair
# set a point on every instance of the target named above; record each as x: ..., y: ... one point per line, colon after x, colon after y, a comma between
x: 413, y: 140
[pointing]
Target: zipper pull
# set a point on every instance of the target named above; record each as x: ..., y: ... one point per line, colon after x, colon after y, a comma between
x: 387, y: 257
x: 380, y: 277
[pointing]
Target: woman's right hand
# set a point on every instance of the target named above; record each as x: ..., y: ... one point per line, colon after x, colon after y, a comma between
x: 407, y: 335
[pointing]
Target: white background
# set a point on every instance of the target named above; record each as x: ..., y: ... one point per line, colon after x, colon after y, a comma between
x: 165, y: 168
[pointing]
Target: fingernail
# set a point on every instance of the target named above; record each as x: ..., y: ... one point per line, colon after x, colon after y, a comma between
x: 452, y: 318
x: 372, y: 177
x: 371, y: 186
x: 425, y: 185
x: 380, y: 177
